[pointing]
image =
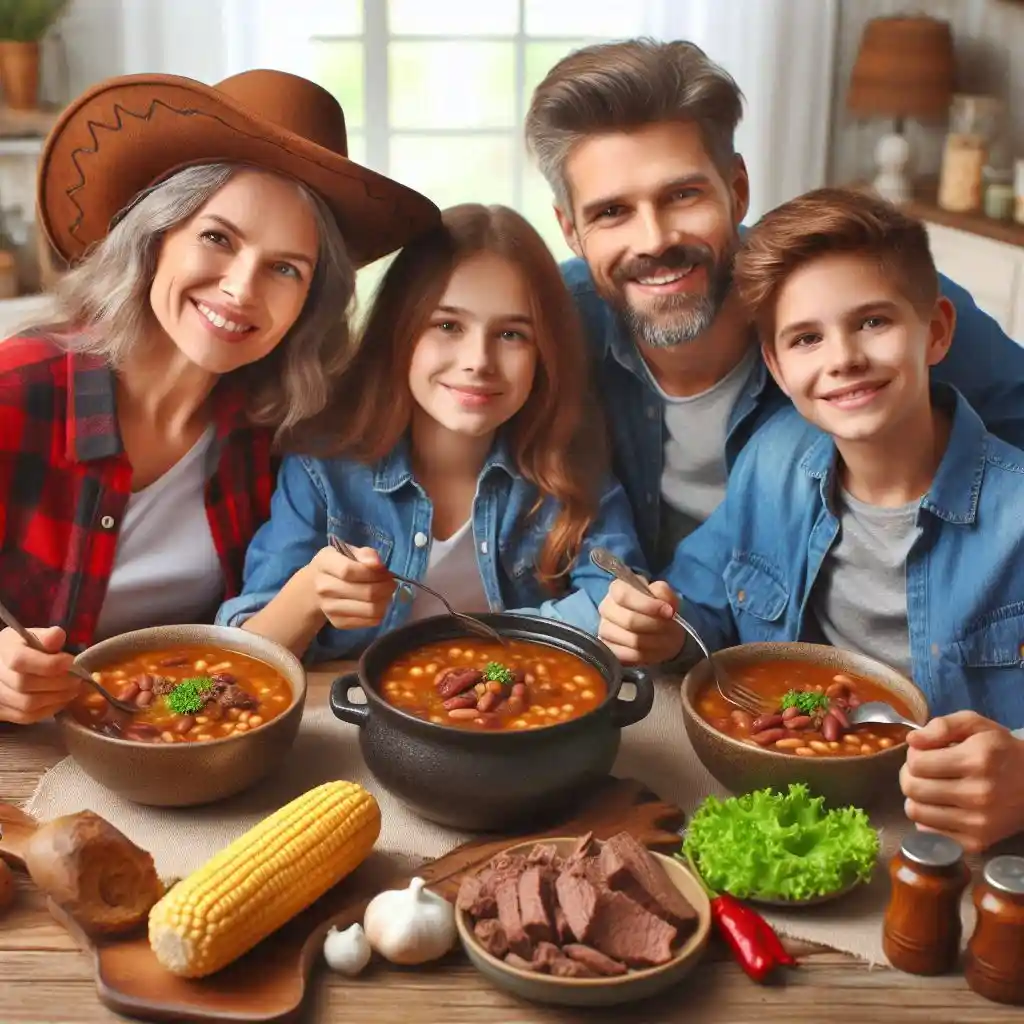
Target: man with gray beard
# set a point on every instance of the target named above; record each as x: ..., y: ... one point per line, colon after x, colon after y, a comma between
x: 636, y: 140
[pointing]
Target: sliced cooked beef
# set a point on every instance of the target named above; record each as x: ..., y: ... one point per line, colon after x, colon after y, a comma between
x: 625, y: 931
x: 629, y: 867
x: 231, y: 695
x: 545, y: 955
x: 515, y: 960
x: 507, y: 897
x: 562, y: 929
x: 533, y: 908
x: 578, y: 899
x: 586, y: 847
x: 594, y: 959
x: 563, y: 967
x: 545, y: 853
x: 491, y: 936
x: 476, y: 896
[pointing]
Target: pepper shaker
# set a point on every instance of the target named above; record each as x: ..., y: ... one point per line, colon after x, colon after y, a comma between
x: 994, y: 966
x: 922, y: 929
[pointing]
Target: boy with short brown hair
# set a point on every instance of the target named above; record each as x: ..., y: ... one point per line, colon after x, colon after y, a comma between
x: 878, y: 515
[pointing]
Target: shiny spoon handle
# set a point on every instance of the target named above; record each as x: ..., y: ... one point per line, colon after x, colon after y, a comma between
x: 615, y: 566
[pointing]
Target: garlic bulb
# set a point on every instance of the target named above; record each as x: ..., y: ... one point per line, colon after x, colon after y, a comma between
x: 410, y: 926
x: 347, y: 952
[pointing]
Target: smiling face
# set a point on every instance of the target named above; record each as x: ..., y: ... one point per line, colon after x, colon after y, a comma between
x: 472, y: 368
x: 851, y: 351
x: 657, y: 224
x: 232, y: 280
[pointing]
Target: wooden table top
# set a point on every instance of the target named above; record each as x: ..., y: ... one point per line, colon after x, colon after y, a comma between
x: 44, y: 978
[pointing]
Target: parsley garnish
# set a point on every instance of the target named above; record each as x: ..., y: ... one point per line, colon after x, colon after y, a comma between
x: 807, y: 701
x: 187, y: 698
x: 499, y: 673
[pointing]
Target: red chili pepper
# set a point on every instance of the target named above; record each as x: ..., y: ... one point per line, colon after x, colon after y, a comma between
x: 751, y: 938
x: 743, y: 937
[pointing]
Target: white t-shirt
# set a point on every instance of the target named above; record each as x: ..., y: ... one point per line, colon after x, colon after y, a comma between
x: 452, y: 570
x: 694, y: 475
x: 166, y: 568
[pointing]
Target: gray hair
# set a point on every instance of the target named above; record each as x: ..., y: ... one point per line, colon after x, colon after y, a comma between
x: 624, y: 85
x: 104, y: 307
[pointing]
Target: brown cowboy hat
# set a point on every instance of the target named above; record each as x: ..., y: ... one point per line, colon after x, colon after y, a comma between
x: 127, y: 134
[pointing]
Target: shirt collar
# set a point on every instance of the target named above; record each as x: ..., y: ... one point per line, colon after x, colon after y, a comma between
x: 956, y: 487
x: 91, y: 419
x: 394, y: 470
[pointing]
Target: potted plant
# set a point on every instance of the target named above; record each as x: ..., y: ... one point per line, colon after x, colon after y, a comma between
x: 23, y: 23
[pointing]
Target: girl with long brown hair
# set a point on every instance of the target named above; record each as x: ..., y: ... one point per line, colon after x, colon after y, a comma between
x: 464, y: 452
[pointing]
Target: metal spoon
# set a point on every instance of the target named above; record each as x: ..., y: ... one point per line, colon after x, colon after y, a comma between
x: 877, y: 711
x: 471, y: 623
x: 734, y: 693
x: 75, y: 670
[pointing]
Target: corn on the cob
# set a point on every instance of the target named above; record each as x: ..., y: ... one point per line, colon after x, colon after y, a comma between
x: 263, y: 879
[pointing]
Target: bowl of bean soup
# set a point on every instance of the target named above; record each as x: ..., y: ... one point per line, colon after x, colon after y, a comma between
x: 804, y: 733
x: 218, y: 708
x: 482, y: 735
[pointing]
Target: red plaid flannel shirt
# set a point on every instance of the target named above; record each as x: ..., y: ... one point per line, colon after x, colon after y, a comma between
x: 65, y: 481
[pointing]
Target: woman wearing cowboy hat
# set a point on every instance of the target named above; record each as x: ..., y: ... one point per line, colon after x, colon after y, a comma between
x: 213, y: 235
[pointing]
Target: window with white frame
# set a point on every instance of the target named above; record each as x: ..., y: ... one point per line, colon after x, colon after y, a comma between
x: 435, y: 93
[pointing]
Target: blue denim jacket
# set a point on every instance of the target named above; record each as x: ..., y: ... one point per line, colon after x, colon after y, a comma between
x: 983, y: 364
x: 383, y: 507
x: 746, y: 574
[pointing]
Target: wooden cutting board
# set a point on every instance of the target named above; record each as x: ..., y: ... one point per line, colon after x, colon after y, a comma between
x: 268, y: 984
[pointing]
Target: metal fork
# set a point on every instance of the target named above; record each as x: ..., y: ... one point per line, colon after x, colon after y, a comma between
x: 474, y: 625
x: 734, y: 693
x: 75, y: 670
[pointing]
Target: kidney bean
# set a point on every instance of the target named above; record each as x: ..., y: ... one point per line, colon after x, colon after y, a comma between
x: 839, y: 715
x: 488, y: 702
x: 462, y: 701
x: 798, y: 722
x: 518, y: 678
x: 173, y: 662
x: 463, y: 713
x: 493, y: 686
x: 144, y: 698
x: 742, y: 719
x: 455, y: 681
x: 837, y: 690
x: 768, y: 736
x: 830, y: 728
x: 853, y: 701
x: 766, y: 722
x: 145, y: 681
x: 130, y: 691
x: 790, y: 713
x: 519, y: 690
x: 516, y: 705
x: 141, y: 731
x: 183, y: 724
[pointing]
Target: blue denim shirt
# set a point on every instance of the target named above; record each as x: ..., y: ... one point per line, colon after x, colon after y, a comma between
x: 747, y: 573
x: 985, y: 365
x: 383, y: 507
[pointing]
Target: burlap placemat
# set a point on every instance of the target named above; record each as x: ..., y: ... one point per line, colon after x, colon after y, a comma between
x: 656, y: 751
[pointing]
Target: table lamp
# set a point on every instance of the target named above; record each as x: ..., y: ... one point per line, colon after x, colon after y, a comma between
x: 904, y: 68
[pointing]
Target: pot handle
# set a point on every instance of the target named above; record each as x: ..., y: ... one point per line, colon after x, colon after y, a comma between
x: 629, y: 712
x: 343, y: 708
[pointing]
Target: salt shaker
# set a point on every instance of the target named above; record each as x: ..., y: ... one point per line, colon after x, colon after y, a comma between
x: 994, y: 966
x: 922, y: 930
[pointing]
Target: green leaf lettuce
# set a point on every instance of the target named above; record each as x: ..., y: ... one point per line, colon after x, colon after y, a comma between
x: 782, y: 846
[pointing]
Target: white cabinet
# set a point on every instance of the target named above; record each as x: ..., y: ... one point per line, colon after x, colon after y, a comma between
x: 992, y: 271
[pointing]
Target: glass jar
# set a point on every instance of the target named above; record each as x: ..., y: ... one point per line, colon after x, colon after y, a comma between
x: 994, y: 967
x: 998, y: 202
x: 974, y: 125
x: 922, y: 930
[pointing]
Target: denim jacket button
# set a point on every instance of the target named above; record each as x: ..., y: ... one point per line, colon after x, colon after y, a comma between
x: 741, y: 596
x: 420, y: 540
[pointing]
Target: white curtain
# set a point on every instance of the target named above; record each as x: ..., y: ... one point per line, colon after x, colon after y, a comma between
x: 781, y: 53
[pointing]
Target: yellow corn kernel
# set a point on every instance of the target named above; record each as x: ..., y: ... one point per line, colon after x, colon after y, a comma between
x: 263, y: 879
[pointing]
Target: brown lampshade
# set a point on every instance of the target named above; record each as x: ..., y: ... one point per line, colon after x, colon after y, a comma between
x: 904, y: 68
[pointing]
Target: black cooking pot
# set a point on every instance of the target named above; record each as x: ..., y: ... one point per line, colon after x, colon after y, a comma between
x: 489, y: 781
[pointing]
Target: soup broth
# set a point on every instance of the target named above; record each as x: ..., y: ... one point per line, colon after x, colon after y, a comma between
x: 186, y: 693
x: 810, y: 704
x: 480, y: 684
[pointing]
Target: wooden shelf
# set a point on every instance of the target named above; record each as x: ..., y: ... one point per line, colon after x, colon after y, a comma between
x: 26, y: 124
x: 924, y: 207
